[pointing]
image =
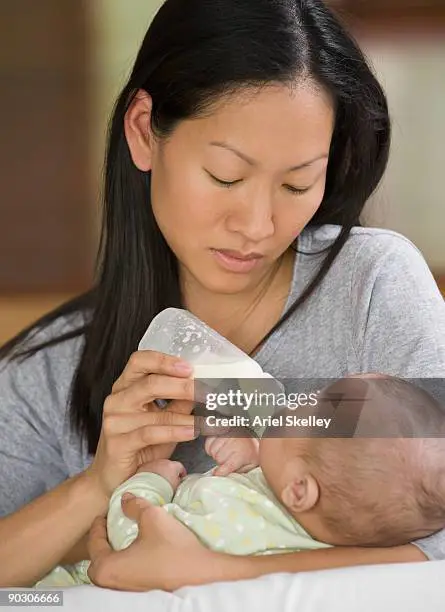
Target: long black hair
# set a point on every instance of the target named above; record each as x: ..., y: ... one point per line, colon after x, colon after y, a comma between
x: 194, y: 52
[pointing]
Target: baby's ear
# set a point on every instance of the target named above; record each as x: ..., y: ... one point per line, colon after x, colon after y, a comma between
x: 300, y: 494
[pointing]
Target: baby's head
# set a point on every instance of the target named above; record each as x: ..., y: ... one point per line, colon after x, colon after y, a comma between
x: 378, y: 479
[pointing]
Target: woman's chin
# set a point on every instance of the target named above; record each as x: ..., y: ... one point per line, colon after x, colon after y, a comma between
x: 214, y: 279
x: 224, y: 283
x: 224, y: 286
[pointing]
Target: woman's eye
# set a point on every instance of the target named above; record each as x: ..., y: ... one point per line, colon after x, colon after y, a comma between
x: 295, y: 190
x: 221, y: 182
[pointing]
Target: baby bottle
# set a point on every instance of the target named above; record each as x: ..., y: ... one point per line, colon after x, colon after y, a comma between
x: 216, y: 362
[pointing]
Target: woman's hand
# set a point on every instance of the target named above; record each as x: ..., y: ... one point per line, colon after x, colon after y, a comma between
x: 134, y: 430
x: 165, y: 555
x: 155, y: 560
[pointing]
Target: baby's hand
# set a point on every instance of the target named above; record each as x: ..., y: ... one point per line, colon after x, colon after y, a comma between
x: 233, y: 454
x: 173, y: 471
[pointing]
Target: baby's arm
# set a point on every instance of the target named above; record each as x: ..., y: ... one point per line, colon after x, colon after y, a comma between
x: 233, y: 454
x: 172, y: 471
x: 156, y: 482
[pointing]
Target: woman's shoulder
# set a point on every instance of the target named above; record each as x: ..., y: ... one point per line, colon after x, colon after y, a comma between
x: 373, y: 261
x: 48, y: 359
x: 58, y: 327
x: 372, y: 242
x: 368, y: 251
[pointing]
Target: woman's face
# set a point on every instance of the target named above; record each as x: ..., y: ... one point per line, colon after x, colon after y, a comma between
x: 226, y: 187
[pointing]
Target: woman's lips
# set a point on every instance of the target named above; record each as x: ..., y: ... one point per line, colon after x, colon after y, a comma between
x: 236, y: 263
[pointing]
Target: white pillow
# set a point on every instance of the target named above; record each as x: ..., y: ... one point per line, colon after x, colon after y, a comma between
x: 410, y: 587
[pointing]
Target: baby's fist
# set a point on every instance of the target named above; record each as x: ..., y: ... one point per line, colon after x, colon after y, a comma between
x: 173, y: 471
x: 232, y: 454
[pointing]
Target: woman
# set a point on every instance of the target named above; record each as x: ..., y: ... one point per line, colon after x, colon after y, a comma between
x: 241, y: 154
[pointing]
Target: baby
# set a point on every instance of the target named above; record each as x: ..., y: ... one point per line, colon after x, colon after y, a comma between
x: 377, y: 480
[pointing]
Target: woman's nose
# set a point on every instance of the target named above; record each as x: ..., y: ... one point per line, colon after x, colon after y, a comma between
x: 253, y: 218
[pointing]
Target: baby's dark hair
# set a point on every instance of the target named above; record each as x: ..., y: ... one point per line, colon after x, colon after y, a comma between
x: 382, y: 473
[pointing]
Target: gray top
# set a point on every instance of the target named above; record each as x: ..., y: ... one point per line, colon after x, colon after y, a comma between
x: 377, y: 310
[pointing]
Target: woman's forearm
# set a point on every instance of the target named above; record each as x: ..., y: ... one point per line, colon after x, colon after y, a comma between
x: 38, y: 536
x: 79, y: 552
x: 229, y: 567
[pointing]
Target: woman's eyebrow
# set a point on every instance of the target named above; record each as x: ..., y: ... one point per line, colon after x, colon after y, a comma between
x: 252, y: 162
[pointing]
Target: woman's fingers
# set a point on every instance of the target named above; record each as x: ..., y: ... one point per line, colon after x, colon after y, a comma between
x: 103, y: 559
x: 141, y: 511
x: 152, y: 435
x: 144, y: 513
x: 142, y: 363
x: 133, y: 507
x: 97, y: 543
x: 130, y: 433
x: 133, y: 428
x: 154, y: 559
x: 147, y: 389
x: 124, y: 422
x: 181, y: 406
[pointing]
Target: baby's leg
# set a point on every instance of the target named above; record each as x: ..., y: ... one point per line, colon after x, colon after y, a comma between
x: 60, y: 577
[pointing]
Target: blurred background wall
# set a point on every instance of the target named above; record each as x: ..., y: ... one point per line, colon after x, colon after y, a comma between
x: 61, y: 66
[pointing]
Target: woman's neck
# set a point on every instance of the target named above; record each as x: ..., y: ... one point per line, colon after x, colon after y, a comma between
x: 243, y: 318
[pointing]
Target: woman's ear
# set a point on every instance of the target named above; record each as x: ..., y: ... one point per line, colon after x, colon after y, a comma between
x: 300, y: 494
x: 138, y: 130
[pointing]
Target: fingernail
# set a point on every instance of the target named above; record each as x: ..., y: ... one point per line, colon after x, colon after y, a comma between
x: 128, y: 496
x: 191, y: 431
x: 183, y: 367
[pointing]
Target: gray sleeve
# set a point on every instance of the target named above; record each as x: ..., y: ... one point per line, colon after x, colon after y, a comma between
x: 400, y: 324
x: 398, y: 312
x: 30, y: 457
